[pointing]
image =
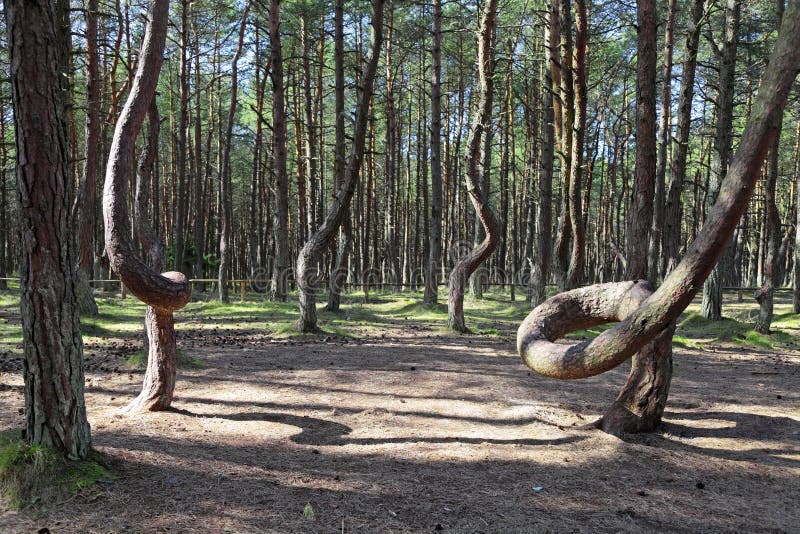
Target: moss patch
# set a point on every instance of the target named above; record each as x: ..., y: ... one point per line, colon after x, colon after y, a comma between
x: 33, y: 475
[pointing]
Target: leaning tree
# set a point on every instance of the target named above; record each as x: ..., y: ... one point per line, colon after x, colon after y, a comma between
x: 309, y: 255
x: 163, y: 293
x: 51, y: 338
x: 645, y: 318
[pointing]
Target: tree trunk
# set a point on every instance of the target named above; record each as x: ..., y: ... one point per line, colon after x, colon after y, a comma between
x: 540, y: 264
x: 664, y: 134
x: 83, y: 210
x: 672, y: 216
x: 339, y: 273
x: 655, y: 313
x: 435, y: 252
x: 765, y: 294
x: 481, y: 121
x: 280, y: 226
x: 309, y: 255
x: 723, y: 139
x: 225, y: 186
x: 181, y: 201
x: 163, y: 293
x: 53, y: 365
x: 796, y: 276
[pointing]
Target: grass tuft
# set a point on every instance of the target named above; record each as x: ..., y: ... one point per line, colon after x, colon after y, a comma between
x: 34, y: 475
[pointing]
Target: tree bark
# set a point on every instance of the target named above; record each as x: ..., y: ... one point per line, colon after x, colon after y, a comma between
x: 658, y: 311
x: 280, y: 226
x: 225, y: 186
x: 711, y: 306
x: 83, y: 210
x: 765, y: 294
x: 163, y: 292
x: 480, y: 122
x: 309, y: 255
x: 435, y: 251
x: 664, y: 134
x: 672, y: 216
x: 53, y: 366
x: 339, y: 274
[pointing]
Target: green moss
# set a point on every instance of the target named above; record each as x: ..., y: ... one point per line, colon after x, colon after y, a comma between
x: 36, y: 475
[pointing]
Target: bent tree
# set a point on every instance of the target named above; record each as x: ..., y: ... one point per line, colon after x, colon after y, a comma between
x: 481, y: 121
x: 53, y: 365
x: 309, y: 255
x: 643, y: 319
x: 163, y: 293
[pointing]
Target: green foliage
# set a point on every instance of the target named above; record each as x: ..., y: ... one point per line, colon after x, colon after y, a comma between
x: 36, y: 475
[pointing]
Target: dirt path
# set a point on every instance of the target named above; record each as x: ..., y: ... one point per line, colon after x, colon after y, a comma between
x: 418, y: 432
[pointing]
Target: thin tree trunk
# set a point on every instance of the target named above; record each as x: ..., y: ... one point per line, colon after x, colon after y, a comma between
x: 712, y: 289
x: 435, y: 251
x: 181, y: 201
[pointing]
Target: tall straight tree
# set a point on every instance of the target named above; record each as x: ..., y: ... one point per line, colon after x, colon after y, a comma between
x: 672, y: 217
x: 85, y: 202
x: 435, y: 251
x: 53, y: 366
x: 181, y: 200
x: 280, y: 226
x: 309, y: 255
x: 540, y: 264
x: 339, y: 274
x: 480, y: 122
x: 723, y: 139
x: 664, y: 133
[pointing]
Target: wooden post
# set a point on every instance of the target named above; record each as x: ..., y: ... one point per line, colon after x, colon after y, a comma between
x: 243, y: 287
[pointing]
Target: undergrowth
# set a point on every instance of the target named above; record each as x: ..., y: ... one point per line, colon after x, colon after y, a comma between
x: 34, y: 475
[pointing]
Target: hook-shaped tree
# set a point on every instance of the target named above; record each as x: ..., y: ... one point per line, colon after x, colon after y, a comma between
x: 645, y: 321
x: 163, y: 293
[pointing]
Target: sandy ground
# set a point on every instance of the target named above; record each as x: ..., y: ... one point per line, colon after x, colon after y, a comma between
x: 415, y: 431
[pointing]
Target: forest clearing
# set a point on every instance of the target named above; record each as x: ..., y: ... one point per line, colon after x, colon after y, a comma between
x: 390, y: 423
x: 385, y: 266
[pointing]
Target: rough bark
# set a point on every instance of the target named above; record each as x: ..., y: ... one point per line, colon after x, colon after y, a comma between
x: 55, y: 412
x: 796, y: 275
x: 435, y: 251
x: 309, y: 255
x: 765, y: 294
x: 480, y: 122
x: 163, y: 292
x: 658, y: 312
x: 711, y: 306
x: 576, y: 260
x: 181, y: 201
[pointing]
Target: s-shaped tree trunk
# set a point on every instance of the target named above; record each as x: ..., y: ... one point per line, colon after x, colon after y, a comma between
x: 481, y: 120
x: 308, y: 258
x: 651, y: 321
x: 163, y: 293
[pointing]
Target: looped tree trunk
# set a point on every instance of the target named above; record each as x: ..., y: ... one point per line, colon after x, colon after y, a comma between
x: 163, y: 293
x: 652, y: 320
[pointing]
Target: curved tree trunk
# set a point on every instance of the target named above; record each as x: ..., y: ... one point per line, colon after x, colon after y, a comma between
x: 308, y: 258
x: 53, y: 366
x: 481, y: 121
x: 435, y: 253
x: 163, y: 293
x: 659, y: 311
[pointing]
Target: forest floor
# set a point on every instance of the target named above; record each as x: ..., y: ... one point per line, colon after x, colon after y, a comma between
x: 388, y: 423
